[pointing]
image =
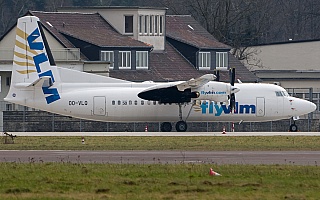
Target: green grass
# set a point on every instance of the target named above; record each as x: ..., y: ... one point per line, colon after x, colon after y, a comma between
x: 253, y: 143
x: 142, y: 181
x: 183, y: 181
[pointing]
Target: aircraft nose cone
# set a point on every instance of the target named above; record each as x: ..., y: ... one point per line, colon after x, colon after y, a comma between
x: 307, y: 106
x: 312, y: 106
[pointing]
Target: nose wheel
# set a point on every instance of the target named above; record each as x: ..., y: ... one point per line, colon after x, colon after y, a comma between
x: 293, y: 128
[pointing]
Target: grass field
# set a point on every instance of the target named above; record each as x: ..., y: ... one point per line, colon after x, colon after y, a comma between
x: 253, y: 143
x: 183, y: 181
x: 55, y: 181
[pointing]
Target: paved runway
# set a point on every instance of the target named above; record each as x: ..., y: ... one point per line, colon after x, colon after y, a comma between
x: 163, y: 157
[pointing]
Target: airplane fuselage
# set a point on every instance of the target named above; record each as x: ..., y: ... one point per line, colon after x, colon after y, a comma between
x: 119, y: 102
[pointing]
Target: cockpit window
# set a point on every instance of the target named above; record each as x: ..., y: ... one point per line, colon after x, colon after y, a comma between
x: 282, y: 93
x: 279, y: 94
x: 285, y: 93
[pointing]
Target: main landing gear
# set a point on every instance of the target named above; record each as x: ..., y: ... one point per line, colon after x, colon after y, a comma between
x: 181, y: 125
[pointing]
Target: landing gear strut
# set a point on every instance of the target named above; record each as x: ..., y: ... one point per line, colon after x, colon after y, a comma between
x: 181, y: 126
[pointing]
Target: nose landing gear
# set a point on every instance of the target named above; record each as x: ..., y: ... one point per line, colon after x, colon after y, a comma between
x: 293, y: 127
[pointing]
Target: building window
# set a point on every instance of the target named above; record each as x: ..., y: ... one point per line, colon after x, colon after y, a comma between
x: 108, y: 56
x: 141, y: 23
x: 146, y: 17
x: 151, y: 24
x: 222, y: 60
x: 161, y: 24
x: 156, y: 24
x: 142, y: 59
x: 125, y: 59
x: 128, y: 24
x: 204, y: 60
x: 9, y: 107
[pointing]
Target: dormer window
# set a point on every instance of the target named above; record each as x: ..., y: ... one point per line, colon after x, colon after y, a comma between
x: 125, y: 60
x: 204, y: 60
x: 128, y: 24
x: 222, y: 60
x: 142, y: 59
x: 108, y: 56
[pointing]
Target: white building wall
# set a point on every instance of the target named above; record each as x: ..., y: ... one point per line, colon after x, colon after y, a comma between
x: 288, y: 56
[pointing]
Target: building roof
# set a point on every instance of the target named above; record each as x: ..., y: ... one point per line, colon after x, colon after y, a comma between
x: 167, y: 65
x: 83, y: 26
x: 186, y: 29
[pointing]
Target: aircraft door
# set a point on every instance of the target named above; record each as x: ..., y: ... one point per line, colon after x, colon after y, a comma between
x: 99, y: 105
x: 260, y: 108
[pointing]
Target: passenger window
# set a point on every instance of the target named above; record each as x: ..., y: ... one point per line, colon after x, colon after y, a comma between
x: 124, y: 103
x: 154, y: 103
x: 130, y: 102
x: 135, y: 102
x: 148, y: 102
x: 119, y: 103
x: 142, y: 102
x: 113, y: 103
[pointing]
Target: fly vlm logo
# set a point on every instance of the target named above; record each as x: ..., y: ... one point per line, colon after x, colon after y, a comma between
x: 217, y: 109
x: 52, y: 93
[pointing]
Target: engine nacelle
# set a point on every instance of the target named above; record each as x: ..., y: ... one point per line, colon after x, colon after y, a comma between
x: 214, y: 91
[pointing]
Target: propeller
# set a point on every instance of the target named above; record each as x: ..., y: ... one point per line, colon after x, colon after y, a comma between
x: 232, y: 74
x: 218, y: 75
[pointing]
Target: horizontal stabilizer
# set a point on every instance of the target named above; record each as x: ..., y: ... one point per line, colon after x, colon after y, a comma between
x: 44, y: 81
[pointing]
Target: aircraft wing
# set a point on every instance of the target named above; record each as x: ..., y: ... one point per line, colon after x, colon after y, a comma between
x: 175, y: 92
x: 195, y: 83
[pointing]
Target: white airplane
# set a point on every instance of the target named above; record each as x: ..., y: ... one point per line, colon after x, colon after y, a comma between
x: 38, y: 83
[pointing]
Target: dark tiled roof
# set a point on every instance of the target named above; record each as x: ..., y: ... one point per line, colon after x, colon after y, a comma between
x: 89, y: 27
x: 186, y: 29
x: 168, y: 65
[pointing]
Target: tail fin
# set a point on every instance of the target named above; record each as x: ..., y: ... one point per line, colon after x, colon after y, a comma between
x: 33, y: 64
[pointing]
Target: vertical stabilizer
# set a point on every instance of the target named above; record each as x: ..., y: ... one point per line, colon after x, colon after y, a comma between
x: 33, y: 64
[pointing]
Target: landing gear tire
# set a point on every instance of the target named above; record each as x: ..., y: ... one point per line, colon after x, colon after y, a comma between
x: 293, y: 128
x: 181, y: 126
x: 166, y: 127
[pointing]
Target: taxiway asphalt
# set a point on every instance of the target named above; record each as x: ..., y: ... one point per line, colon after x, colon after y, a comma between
x: 164, y: 157
x: 172, y: 157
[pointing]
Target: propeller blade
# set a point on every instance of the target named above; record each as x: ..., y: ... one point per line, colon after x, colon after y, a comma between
x: 232, y: 74
x: 232, y: 102
x: 218, y: 75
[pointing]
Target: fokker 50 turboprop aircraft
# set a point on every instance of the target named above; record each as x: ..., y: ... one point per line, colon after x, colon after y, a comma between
x: 36, y: 82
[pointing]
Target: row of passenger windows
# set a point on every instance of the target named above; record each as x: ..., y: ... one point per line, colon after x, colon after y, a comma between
x: 136, y: 102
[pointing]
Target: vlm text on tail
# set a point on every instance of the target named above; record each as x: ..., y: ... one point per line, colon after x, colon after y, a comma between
x: 33, y: 65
